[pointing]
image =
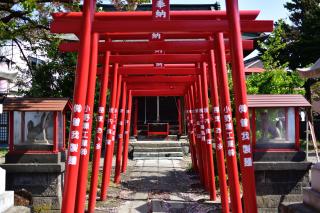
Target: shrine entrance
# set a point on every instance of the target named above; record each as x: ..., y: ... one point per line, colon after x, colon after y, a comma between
x: 159, y: 117
x: 161, y: 53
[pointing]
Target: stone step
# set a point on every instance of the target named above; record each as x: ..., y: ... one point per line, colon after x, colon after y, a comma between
x: 296, y: 207
x: 152, y: 144
x: 158, y: 149
x: 35, y: 158
x: 157, y: 206
x: 274, y: 156
x: 158, y: 158
x: 157, y: 154
x: 311, y: 198
x: 315, y: 177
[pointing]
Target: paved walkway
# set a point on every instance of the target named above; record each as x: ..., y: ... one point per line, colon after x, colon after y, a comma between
x: 162, y: 185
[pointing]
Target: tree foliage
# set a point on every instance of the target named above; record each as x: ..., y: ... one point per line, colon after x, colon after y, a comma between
x: 272, y: 48
x: 28, y: 20
x: 26, y: 24
x: 128, y: 5
x: 54, y: 78
x: 302, y: 34
x: 276, y: 79
x: 302, y: 37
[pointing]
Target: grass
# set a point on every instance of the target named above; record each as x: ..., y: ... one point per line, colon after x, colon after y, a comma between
x: 89, y: 177
x: 311, y: 147
x: 189, y: 167
x: 111, y: 184
x: 3, y: 152
x: 114, y: 190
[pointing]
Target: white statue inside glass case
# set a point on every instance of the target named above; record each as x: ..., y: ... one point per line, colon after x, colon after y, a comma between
x: 33, y: 128
x: 39, y: 127
x: 275, y: 125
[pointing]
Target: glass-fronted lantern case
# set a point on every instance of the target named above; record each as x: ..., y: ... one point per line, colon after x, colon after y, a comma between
x: 35, y: 128
x: 274, y: 127
x: 275, y: 121
x: 37, y: 125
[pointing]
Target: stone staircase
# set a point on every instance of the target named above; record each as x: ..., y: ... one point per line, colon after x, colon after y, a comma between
x: 157, y: 150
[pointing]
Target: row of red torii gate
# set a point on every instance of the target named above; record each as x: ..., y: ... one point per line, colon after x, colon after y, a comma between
x: 160, y: 53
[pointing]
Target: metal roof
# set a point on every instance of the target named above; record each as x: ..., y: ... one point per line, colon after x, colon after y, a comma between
x: 310, y: 72
x: 36, y: 104
x: 277, y: 101
x: 254, y: 70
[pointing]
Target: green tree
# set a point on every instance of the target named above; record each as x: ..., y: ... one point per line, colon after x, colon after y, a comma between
x: 276, y: 79
x: 273, y: 47
x: 55, y: 77
x: 300, y: 38
x: 128, y: 5
x: 302, y: 35
x: 26, y: 24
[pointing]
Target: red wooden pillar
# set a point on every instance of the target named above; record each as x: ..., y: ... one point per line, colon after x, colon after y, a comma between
x: 135, y: 119
x: 55, y: 132
x: 192, y: 128
x: 297, y: 128
x: 79, y: 98
x: 207, y: 128
x: 99, y: 134
x: 120, y: 135
x: 242, y: 113
x: 119, y: 87
x: 113, y: 130
x: 218, y: 134
x: 179, y: 116
x: 190, y: 131
x: 11, y: 131
x: 87, y: 126
x: 127, y: 134
x: 194, y: 90
x: 202, y: 134
x: 111, y: 122
x: 253, y: 128
x: 227, y: 124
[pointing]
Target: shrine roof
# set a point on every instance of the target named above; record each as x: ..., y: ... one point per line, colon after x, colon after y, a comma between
x: 283, y: 100
x: 36, y: 104
x: 310, y: 72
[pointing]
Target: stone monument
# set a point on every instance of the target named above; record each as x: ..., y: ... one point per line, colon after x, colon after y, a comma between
x: 6, y: 197
x: 311, y: 196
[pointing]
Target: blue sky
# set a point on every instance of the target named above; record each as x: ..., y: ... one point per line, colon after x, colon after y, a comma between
x: 270, y: 9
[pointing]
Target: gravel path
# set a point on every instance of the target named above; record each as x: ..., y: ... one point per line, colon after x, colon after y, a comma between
x: 158, y: 185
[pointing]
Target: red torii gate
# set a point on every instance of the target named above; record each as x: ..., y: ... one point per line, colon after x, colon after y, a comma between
x: 87, y: 23
x: 151, y: 46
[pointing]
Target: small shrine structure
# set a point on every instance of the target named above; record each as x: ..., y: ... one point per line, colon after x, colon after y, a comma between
x: 36, y: 158
x: 281, y: 168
